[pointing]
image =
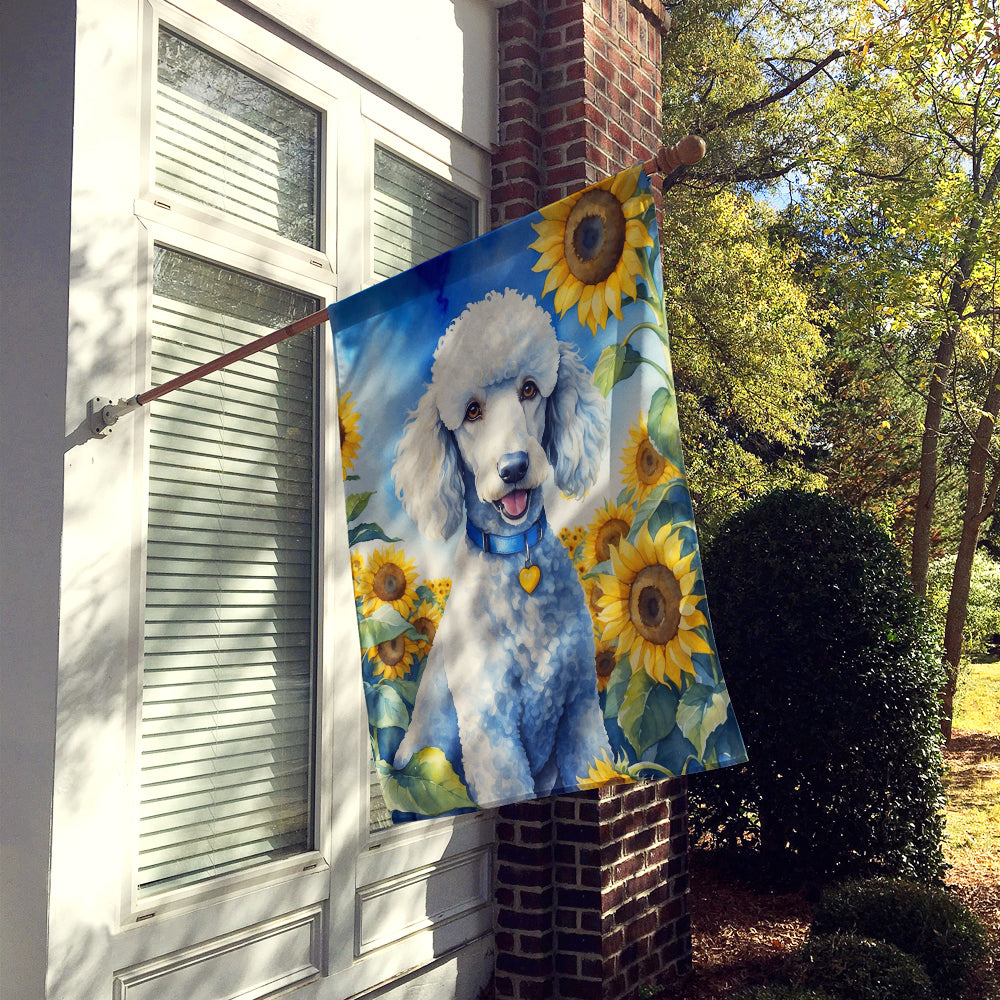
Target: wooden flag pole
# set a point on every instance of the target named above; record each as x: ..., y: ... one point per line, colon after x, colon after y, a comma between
x: 103, y: 413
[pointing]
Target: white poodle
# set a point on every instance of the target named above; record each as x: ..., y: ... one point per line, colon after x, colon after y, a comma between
x: 509, y: 690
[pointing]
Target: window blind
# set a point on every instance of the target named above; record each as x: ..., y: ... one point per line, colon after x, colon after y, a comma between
x: 416, y: 216
x: 228, y: 140
x: 228, y: 677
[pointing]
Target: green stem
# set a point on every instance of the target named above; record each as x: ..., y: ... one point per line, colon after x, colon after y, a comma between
x: 646, y: 765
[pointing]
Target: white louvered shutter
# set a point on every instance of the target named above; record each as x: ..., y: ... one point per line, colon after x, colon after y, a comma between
x: 228, y: 673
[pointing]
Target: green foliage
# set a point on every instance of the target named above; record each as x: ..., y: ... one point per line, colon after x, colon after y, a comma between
x: 833, y: 673
x: 983, y: 612
x: 747, y: 355
x: 782, y: 992
x: 856, y: 968
x: 926, y: 922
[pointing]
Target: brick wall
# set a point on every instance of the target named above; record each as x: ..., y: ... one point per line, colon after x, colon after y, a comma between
x: 591, y: 888
x: 591, y: 893
x: 579, y: 96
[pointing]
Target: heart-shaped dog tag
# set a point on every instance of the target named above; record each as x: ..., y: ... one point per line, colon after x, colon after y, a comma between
x: 529, y: 577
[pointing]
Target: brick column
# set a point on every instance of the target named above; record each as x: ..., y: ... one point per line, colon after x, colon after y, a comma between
x: 591, y: 888
x: 579, y: 96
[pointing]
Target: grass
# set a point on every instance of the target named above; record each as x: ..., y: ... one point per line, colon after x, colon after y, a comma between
x: 973, y: 784
x: 978, y: 697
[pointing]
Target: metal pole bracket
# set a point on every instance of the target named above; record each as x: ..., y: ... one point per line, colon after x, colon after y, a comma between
x: 103, y: 413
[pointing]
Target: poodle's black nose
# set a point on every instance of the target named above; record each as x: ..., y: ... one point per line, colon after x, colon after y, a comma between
x: 513, y: 466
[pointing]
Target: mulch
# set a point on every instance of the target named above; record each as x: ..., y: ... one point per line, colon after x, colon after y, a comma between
x: 742, y: 934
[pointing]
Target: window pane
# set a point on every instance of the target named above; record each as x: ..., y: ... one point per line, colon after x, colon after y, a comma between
x: 228, y: 658
x: 228, y: 140
x: 417, y: 215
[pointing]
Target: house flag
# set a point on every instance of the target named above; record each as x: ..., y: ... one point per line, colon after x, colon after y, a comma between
x: 530, y: 603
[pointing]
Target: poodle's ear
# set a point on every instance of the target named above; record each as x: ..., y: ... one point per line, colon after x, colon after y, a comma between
x: 427, y: 474
x: 576, y: 426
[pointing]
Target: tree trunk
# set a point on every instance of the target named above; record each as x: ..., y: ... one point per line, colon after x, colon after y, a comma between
x: 979, y: 500
x: 920, y: 553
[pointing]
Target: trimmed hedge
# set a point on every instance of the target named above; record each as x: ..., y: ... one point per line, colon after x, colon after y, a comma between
x: 856, y: 968
x: 834, y: 672
x: 782, y: 993
x: 926, y: 922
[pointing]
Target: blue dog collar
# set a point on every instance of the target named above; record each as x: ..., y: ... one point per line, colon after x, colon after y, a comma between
x: 507, y: 545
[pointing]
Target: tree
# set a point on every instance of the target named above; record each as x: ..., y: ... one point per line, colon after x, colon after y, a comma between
x: 747, y: 357
x: 915, y: 187
x: 747, y: 354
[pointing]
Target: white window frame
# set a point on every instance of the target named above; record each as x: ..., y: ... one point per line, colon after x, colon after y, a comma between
x: 352, y: 875
x: 180, y: 224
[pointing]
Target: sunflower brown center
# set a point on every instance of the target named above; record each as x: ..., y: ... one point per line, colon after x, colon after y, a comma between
x: 654, y: 604
x: 343, y: 434
x: 595, y: 236
x: 389, y: 583
x: 649, y: 463
x: 426, y: 627
x: 605, y: 663
x: 392, y: 651
x: 609, y: 534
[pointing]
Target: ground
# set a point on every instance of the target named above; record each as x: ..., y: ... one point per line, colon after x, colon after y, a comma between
x: 742, y: 935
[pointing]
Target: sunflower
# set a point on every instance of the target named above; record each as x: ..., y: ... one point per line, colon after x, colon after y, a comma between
x: 388, y: 578
x: 604, y: 772
x: 605, y: 660
x: 357, y: 568
x: 426, y: 620
x: 611, y: 523
x: 440, y: 589
x: 588, y: 243
x: 649, y: 607
x: 571, y: 538
x: 393, y: 658
x: 350, y: 439
x: 643, y: 467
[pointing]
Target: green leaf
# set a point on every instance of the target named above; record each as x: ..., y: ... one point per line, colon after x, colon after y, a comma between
x: 664, y: 431
x: 617, y: 686
x: 386, y: 708
x: 616, y: 363
x: 356, y: 503
x: 367, y: 532
x: 382, y: 625
x: 407, y: 690
x: 649, y: 711
x: 701, y: 711
x: 427, y: 785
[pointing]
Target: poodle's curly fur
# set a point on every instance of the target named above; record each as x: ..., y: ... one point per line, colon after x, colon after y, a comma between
x: 509, y: 689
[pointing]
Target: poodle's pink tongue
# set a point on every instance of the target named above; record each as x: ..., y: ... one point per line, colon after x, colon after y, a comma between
x: 514, y: 503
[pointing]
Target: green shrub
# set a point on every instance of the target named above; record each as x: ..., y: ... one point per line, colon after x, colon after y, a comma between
x: 856, y: 968
x: 782, y: 993
x: 834, y: 673
x: 926, y: 922
x: 982, y: 618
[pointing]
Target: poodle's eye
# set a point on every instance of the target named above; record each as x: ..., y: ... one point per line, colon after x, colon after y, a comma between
x: 473, y: 411
x: 529, y: 390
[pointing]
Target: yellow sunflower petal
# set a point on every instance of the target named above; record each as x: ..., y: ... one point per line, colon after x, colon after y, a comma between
x: 624, y: 183
x: 626, y: 279
x: 692, y: 642
x: 568, y: 293
x: 555, y: 277
x: 637, y: 205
